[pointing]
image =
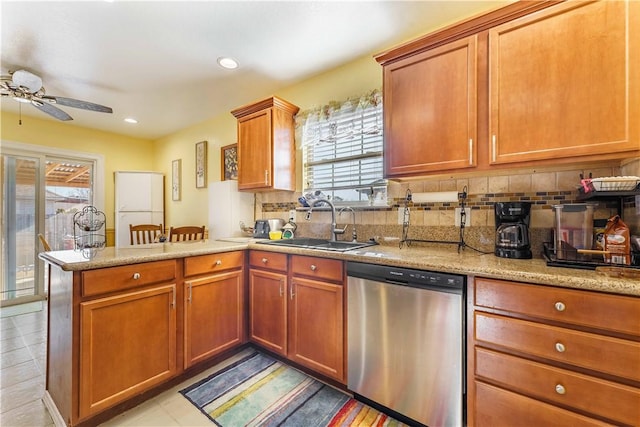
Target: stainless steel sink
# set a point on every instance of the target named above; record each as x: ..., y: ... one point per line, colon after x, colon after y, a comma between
x: 321, y: 244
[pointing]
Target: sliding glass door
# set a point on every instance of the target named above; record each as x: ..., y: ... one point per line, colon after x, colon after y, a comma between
x: 20, y: 206
x: 40, y: 194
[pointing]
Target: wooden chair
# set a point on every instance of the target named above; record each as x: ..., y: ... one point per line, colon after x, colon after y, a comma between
x: 181, y: 234
x: 44, y: 242
x: 144, y: 233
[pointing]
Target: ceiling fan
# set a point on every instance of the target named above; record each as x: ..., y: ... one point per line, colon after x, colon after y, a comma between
x: 27, y: 88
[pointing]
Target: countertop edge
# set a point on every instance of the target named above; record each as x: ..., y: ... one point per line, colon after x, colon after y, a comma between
x: 437, y: 259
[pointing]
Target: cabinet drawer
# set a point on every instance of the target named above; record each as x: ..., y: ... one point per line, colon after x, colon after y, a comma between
x: 319, y: 268
x: 497, y: 407
x: 270, y: 260
x: 95, y: 282
x: 592, y: 395
x: 597, y: 352
x: 212, y: 263
x: 590, y: 309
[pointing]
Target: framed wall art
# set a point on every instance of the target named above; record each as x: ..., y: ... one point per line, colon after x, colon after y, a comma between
x: 229, y: 162
x: 176, y: 177
x: 201, y: 164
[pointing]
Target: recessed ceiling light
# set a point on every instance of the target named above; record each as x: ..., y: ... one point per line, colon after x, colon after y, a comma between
x: 228, y: 63
x: 131, y: 120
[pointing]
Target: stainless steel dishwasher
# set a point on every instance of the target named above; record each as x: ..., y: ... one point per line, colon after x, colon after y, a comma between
x: 406, y: 344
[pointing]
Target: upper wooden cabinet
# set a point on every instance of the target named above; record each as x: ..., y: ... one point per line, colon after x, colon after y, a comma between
x: 266, y: 146
x: 431, y: 110
x: 565, y: 82
x: 529, y: 84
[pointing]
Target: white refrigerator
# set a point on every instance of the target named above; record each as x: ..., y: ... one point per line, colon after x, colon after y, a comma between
x: 139, y: 200
x: 227, y: 207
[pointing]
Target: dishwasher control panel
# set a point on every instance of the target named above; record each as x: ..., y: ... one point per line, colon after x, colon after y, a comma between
x: 405, y: 276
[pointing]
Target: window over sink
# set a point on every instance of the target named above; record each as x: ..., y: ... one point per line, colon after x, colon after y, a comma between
x: 342, y: 150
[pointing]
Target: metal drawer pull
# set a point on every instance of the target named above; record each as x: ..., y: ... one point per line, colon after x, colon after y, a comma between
x: 560, y: 306
x: 560, y: 347
x: 136, y: 276
x: 264, y: 260
x: 560, y: 389
x: 313, y: 267
x: 219, y: 262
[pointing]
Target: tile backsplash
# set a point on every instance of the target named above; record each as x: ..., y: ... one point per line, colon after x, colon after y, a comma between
x: 435, y: 221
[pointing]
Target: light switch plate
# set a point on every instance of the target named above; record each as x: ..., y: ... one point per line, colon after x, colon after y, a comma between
x: 292, y: 215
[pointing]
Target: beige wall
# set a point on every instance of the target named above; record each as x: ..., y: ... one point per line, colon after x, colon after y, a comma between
x: 349, y: 80
x: 353, y: 79
x: 120, y: 152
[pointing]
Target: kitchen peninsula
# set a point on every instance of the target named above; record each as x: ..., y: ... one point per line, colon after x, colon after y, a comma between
x: 136, y: 299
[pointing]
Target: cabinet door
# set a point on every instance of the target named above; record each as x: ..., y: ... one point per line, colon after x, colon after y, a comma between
x: 565, y: 82
x: 317, y: 326
x: 213, y: 316
x: 127, y: 345
x: 268, y: 310
x: 430, y: 110
x: 255, y: 150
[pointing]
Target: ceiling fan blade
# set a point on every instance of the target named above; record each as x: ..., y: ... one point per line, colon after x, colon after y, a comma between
x: 52, y: 111
x: 75, y: 103
x: 27, y: 80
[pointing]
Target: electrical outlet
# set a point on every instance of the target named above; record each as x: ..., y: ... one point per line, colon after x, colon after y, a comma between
x: 467, y: 219
x: 292, y: 215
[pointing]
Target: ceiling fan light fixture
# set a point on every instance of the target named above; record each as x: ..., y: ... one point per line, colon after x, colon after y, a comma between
x: 228, y: 63
x: 131, y: 120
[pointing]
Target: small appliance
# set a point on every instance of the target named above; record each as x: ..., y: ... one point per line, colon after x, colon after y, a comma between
x: 512, y: 230
x: 262, y: 227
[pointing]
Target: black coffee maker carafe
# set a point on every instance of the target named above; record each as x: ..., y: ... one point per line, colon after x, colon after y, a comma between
x: 512, y: 230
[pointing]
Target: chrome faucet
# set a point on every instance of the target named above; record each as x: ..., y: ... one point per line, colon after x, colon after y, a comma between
x: 334, y: 230
x: 354, y: 234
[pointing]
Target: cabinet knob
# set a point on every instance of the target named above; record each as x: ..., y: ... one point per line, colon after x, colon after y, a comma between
x: 219, y: 262
x: 560, y: 389
x: 560, y: 306
x: 313, y: 267
x: 264, y: 260
x: 560, y: 348
x: 136, y: 276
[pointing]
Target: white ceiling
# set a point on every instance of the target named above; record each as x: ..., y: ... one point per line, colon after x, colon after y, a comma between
x: 156, y: 60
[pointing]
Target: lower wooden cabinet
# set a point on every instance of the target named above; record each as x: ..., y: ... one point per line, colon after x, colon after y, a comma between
x: 127, y: 345
x: 268, y: 310
x: 297, y: 310
x: 540, y: 355
x: 214, y: 305
x: 316, y: 326
x: 214, y: 313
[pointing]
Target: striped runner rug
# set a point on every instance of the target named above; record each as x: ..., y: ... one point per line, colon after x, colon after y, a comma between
x: 258, y: 390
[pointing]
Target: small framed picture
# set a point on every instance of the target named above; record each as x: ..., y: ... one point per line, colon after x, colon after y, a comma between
x: 229, y: 162
x: 176, y: 173
x: 201, y: 164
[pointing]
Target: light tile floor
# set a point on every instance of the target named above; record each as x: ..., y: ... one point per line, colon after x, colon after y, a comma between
x: 22, y: 375
x: 23, y: 360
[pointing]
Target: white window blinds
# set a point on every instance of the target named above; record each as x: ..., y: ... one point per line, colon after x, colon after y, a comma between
x: 342, y: 148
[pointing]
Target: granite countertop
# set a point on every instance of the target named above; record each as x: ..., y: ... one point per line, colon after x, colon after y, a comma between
x: 441, y: 258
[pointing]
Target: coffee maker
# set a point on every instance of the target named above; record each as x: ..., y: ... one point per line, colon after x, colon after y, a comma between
x: 512, y: 230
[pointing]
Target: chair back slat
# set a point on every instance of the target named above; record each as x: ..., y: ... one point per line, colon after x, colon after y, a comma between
x: 142, y: 234
x: 186, y: 233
